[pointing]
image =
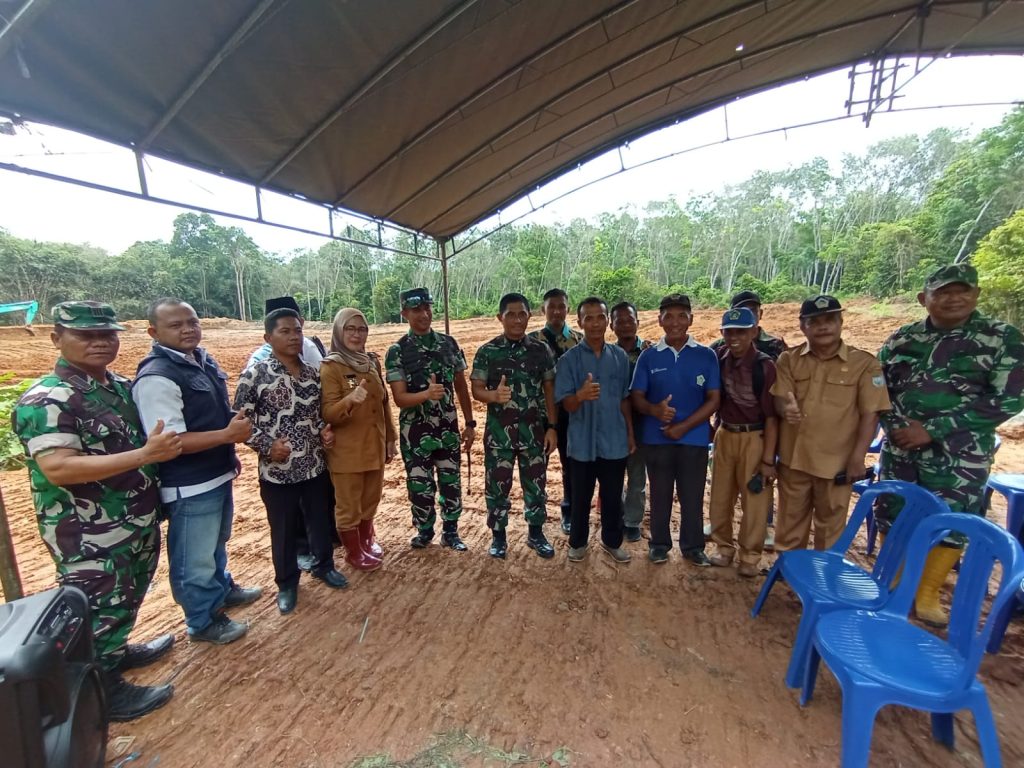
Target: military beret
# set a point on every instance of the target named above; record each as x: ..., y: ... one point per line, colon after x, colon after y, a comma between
x: 86, y: 316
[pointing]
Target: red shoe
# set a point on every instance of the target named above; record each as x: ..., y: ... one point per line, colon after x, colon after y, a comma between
x: 354, y: 554
x: 368, y: 539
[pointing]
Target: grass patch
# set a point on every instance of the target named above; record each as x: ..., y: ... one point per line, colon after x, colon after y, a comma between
x: 457, y: 749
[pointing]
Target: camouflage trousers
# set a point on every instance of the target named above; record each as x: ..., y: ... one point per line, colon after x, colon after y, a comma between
x: 498, y: 467
x: 959, y: 483
x: 115, y: 586
x: 420, y: 468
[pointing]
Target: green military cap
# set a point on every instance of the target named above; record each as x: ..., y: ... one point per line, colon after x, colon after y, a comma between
x: 413, y: 297
x: 86, y: 316
x: 952, y: 273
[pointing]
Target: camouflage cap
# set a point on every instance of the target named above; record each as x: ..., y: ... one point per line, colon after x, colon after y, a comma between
x: 86, y: 316
x: 413, y: 297
x: 952, y: 273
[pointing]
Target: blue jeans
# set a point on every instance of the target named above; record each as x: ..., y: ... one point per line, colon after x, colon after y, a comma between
x: 197, y: 536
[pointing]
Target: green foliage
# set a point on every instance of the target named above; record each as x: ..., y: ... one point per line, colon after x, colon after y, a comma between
x: 12, y: 455
x: 1000, y: 263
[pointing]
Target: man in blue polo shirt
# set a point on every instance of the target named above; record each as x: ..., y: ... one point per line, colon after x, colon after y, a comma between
x: 592, y: 383
x: 676, y: 390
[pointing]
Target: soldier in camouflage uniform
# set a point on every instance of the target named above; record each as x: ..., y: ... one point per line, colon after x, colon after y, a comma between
x: 426, y: 371
x: 953, y: 378
x: 515, y: 375
x: 624, y: 323
x: 560, y: 338
x: 93, y: 479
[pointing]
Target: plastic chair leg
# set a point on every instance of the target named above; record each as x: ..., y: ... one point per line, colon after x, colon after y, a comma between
x: 858, y: 724
x: 769, y: 582
x: 872, y: 531
x: 813, y: 660
x: 801, y: 647
x: 988, y: 738
x: 942, y: 728
x: 999, y: 625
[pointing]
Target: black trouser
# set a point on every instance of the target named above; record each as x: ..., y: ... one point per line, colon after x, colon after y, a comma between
x: 301, y: 540
x: 683, y: 469
x: 286, y: 504
x: 563, y: 457
x: 610, y: 475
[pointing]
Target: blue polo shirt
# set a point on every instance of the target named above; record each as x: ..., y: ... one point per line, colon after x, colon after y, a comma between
x: 597, y: 430
x: 687, y: 375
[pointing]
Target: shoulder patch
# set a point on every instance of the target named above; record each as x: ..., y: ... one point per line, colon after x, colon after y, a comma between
x: 878, y: 381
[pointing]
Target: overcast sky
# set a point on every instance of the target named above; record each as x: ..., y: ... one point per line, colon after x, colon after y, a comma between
x: 44, y: 210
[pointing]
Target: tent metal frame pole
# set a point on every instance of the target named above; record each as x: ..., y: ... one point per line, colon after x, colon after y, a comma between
x: 10, y: 580
x: 443, y: 254
x: 20, y: 22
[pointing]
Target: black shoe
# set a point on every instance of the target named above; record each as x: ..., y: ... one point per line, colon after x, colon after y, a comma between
x: 658, y: 555
x: 629, y: 533
x: 539, y: 544
x: 126, y: 701
x: 286, y: 599
x: 499, y: 545
x: 565, y: 525
x: 140, y: 654
x: 422, y: 538
x: 451, y: 540
x: 698, y: 558
x: 221, y: 631
x: 242, y: 595
x: 332, y: 578
x: 305, y: 562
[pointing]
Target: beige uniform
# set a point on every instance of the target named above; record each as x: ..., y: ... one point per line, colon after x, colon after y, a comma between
x: 356, y: 460
x: 833, y: 394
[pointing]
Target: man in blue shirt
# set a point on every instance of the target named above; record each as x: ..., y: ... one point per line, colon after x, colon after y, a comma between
x: 592, y: 383
x: 676, y: 390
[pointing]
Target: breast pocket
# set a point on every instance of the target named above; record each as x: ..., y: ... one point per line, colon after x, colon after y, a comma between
x: 840, y: 390
x: 801, y: 387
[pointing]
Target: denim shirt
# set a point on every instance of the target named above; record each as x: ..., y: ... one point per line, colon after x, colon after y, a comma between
x: 597, y: 430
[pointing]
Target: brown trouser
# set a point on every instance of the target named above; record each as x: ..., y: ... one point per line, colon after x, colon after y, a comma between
x: 356, y: 496
x: 803, y: 498
x: 737, y: 458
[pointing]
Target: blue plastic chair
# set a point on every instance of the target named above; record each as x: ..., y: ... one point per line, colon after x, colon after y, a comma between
x: 880, y: 658
x: 827, y: 581
x: 1012, y: 487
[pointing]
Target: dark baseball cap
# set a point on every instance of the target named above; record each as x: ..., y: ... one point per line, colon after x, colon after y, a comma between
x: 952, y: 273
x: 413, y: 297
x: 822, y: 304
x: 86, y: 316
x: 281, y: 302
x: 675, y: 300
x: 745, y: 297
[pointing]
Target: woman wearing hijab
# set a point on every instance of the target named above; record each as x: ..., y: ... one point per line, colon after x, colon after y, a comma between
x: 355, y: 404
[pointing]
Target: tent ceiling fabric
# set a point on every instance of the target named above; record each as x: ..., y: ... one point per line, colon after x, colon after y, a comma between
x: 426, y: 113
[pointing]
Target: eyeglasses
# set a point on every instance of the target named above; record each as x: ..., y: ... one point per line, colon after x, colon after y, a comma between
x: 355, y: 329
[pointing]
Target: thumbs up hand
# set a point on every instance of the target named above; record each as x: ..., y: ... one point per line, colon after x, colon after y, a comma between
x: 280, y: 450
x: 503, y: 393
x: 162, y: 446
x: 792, y: 409
x: 664, y: 412
x: 435, y: 391
x: 359, y: 394
x: 239, y: 429
x: 590, y: 390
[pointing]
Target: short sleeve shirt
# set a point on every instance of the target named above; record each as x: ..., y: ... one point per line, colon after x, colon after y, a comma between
x: 741, y: 404
x: 433, y: 357
x: 833, y: 394
x: 597, y: 430
x: 526, y: 365
x: 70, y: 409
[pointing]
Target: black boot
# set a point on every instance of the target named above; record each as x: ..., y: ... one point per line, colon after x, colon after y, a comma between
x: 450, y: 536
x: 126, y: 701
x: 141, y: 654
x: 499, y: 545
x: 538, y: 542
x: 422, y: 538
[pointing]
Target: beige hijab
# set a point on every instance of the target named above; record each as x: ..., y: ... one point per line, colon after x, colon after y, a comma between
x: 357, y: 361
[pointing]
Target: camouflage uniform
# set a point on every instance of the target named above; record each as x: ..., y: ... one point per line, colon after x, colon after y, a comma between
x: 773, y: 346
x: 960, y: 384
x: 103, y: 535
x: 634, y: 497
x: 429, y: 432
x: 515, y: 430
x: 559, y: 344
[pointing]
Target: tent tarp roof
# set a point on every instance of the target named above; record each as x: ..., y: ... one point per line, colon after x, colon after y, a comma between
x: 433, y: 114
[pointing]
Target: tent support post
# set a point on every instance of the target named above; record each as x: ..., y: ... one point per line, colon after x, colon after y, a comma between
x: 10, y: 581
x: 442, y: 246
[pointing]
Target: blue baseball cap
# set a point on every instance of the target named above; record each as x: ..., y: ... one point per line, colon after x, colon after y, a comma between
x: 739, y: 317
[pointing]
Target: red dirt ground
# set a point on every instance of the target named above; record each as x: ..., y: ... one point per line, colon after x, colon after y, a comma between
x: 470, y: 661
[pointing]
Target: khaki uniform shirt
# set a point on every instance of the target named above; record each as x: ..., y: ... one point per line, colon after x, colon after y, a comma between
x: 832, y: 394
x: 360, y: 434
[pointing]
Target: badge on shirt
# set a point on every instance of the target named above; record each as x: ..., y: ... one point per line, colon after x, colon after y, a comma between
x: 700, y: 380
x: 878, y: 381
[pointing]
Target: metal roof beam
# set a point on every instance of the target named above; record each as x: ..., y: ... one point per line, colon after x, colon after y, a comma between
x: 20, y: 22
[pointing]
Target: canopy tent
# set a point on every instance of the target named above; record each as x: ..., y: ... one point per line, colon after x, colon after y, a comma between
x: 434, y: 114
